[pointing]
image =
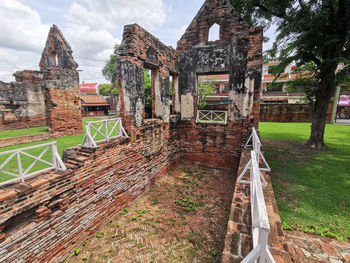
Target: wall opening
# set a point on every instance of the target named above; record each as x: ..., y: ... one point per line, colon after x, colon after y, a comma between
x: 212, y: 98
x: 148, y: 81
x: 214, y: 33
x: 174, y: 94
x: 56, y: 59
x: 212, y: 91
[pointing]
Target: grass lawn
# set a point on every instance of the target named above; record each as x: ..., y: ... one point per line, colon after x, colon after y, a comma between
x: 22, y: 132
x: 62, y: 143
x: 312, y: 188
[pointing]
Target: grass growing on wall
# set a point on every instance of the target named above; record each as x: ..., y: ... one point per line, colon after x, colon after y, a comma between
x: 312, y: 188
x: 62, y: 143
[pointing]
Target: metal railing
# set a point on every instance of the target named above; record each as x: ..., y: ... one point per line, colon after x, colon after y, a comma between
x: 207, y: 116
x: 14, y: 163
x: 260, y: 221
x: 105, y: 130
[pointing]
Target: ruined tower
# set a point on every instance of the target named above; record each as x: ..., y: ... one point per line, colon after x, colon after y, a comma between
x: 61, y: 86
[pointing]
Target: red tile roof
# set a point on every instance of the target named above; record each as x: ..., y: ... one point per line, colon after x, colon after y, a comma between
x: 94, y: 101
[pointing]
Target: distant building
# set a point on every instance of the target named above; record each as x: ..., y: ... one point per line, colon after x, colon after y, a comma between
x: 278, y: 93
x: 94, y: 106
x: 219, y: 100
x: 88, y: 89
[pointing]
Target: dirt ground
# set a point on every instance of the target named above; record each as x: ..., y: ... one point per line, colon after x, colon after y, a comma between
x: 182, y: 218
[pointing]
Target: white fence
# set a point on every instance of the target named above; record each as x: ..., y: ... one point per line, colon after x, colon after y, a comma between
x: 105, y: 130
x: 260, y: 221
x: 15, y: 161
x: 207, y: 116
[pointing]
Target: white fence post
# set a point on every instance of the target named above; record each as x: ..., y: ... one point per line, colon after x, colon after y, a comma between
x: 19, y: 165
x: 106, y: 130
x: 117, y: 131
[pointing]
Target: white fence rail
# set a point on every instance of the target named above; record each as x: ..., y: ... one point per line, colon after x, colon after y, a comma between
x: 13, y: 164
x: 207, y: 116
x: 260, y: 221
x: 105, y: 130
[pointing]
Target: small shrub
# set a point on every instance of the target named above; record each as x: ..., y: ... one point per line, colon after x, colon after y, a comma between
x: 100, y: 235
x: 187, y: 204
x: 124, y: 211
x: 84, y: 258
x: 76, y: 251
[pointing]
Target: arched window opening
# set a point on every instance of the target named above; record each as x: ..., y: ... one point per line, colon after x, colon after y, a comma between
x: 214, y: 33
x: 56, y: 59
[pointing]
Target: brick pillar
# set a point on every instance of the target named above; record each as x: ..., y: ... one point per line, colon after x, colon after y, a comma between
x: 62, y: 99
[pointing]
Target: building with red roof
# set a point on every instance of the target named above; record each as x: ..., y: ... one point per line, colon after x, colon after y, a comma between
x: 94, y: 106
x: 88, y: 88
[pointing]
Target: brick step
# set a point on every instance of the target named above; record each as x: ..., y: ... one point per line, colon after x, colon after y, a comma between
x: 73, y: 161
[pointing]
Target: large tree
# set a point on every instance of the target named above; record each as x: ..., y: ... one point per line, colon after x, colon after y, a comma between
x: 308, y: 31
x: 109, y: 71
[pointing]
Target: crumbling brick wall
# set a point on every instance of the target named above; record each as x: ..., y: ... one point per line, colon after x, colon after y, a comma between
x: 139, y: 50
x: 58, y: 210
x: 238, y: 52
x: 63, y: 105
x: 22, y: 103
x: 44, y: 218
x: 61, y: 86
x: 49, y: 96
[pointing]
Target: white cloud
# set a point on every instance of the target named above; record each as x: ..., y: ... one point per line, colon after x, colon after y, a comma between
x: 21, y: 27
x: 91, y: 27
x: 110, y: 14
x: 90, y: 44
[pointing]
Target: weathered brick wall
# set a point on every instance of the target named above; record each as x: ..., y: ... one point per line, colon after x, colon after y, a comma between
x: 22, y: 103
x: 140, y: 49
x: 237, y: 52
x: 44, y: 218
x: 282, y: 112
x: 50, y: 96
x: 215, y: 145
x: 63, y: 104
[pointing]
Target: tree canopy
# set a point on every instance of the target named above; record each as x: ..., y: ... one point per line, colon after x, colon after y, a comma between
x: 105, y: 90
x: 109, y: 71
x: 313, y: 34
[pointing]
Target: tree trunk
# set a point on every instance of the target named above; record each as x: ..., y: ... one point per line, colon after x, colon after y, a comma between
x: 326, y: 90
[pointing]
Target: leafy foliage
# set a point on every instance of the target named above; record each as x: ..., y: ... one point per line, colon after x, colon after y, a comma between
x: 205, y: 89
x: 105, y: 90
x: 148, y: 91
x: 109, y: 71
x: 309, y: 32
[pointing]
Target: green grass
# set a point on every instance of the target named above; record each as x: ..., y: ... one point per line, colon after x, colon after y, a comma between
x: 62, y: 143
x: 22, y: 132
x: 312, y: 188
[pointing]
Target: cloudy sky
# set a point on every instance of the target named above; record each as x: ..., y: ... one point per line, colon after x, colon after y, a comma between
x: 91, y: 27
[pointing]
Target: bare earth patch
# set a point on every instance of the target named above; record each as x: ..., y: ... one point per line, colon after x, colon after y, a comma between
x: 182, y: 218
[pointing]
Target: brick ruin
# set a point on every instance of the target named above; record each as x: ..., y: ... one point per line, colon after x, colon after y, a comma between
x: 238, y: 52
x: 44, y: 218
x: 50, y: 96
x: 22, y: 103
